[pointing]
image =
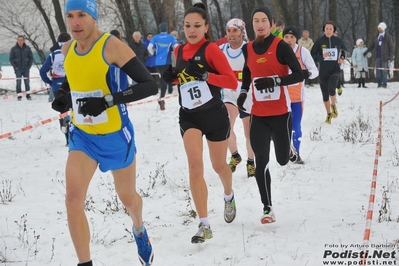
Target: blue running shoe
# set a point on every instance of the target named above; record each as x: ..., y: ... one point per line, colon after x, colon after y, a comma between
x: 144, y: 248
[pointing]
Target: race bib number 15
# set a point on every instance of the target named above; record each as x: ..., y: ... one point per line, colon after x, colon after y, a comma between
x: 195, y: 94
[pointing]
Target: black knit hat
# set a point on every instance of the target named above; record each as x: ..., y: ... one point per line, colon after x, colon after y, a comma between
x: 163, y: 27
x: 265, y: 10
x: 291, y: 30
x: 63, y: 37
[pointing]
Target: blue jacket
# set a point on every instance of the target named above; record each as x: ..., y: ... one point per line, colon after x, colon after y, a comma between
x: 151, y: 59
x: 163, y: 44
x: 54, y: 61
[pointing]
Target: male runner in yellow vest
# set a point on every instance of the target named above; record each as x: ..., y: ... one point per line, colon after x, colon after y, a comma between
x: 101, y: 133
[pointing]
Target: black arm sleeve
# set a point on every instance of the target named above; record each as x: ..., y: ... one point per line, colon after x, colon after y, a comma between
x: 286, y: 56
x: 246, y: 73
x: 65, y: 86
x: 65, y: 89
x: 316, y: 52
x: 146, y: 85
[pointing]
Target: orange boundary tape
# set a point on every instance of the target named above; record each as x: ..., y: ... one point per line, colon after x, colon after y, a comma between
x: 369, y: 217
x: 55, y: 118
x: 38, y: 124
x: 20, y: 78
x: 15, y: 95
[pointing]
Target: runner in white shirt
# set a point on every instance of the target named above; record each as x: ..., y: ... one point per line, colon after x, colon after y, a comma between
x: 297, y: 90
x: 237, y: 37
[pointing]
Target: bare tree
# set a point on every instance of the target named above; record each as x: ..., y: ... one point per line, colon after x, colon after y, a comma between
x: 142, y: 19
x: 127, y: 18
x: 24, y: 19
x: 247, y: 7
x: 169, y: 13
x: 371, y: 26
x: 396, y: 27
x: 156, y: 7
x: 187, y: 4
x: 315, y: 19
x: 332, y: 11
x: 219, y: 18
x: 58, y: 16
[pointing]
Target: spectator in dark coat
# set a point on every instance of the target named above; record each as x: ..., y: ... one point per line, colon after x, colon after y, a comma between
x: 138, y: 47
x: 21, y: 59
x: 384, y: 50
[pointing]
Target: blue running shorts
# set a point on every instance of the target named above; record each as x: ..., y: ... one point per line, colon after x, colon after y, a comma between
x: 112, y: 151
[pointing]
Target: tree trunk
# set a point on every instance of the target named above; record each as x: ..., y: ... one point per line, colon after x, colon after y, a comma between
x: 127, y: 18
x: 277, y: 10
x: 142, y: 22
x: 59, y: 18
x: 396, y: 23
x: 38, y: 4
x: 315, y: 20
x: 187, y: 4
x: 371, y: 24
x: 332, y: 11
x: 220, y: 18
x: 247, y: 7
x: 168, y: 14
x: 156, y: 10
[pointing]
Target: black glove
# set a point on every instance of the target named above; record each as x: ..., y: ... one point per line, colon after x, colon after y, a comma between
x: 265, y: 83
x: 193, y: 69
x: 61, y: 103
x: 240, y: 101
x: 365, y: 54
x: 92, y: 106
x: 306, y: 74
x: 169, y: 75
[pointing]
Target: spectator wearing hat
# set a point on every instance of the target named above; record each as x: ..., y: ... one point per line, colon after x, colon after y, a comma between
x: 297, y: 90
x: 383, y: 49
x: 117, y: 34
x: 161, y: 46
x: 359, y: 62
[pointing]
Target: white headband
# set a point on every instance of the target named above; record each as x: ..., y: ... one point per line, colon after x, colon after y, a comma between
x: 239, y: 24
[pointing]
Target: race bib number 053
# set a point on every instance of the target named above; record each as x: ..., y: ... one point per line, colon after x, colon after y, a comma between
x: 332, y: 54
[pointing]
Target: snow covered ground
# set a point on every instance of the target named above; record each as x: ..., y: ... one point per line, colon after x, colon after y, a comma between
x: 320, y: 206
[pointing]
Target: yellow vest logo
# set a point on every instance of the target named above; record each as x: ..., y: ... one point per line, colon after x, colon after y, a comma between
x: 261, y: 60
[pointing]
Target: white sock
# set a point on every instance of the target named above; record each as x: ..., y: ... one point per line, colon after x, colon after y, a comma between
x: 228, y: 198
x: 205, y: 221
x: 138, y: 231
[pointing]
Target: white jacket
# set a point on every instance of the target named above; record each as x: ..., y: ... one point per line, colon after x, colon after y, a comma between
x: 359, y: 60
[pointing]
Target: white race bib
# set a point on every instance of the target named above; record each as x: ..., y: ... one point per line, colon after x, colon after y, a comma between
x: 332, y: 54
x: 88, y: 120
x: 195, y: 94
x: 269, y: 94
